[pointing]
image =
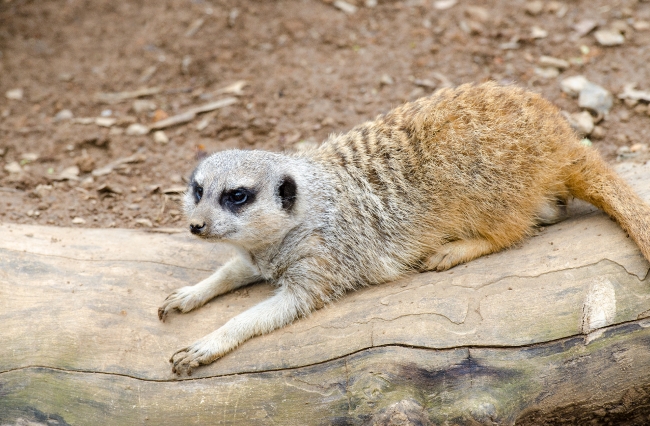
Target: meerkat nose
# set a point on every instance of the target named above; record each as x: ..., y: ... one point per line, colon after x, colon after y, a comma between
x: 197, y: 229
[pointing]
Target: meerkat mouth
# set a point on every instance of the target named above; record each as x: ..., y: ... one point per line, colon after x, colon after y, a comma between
x: 214, y: 237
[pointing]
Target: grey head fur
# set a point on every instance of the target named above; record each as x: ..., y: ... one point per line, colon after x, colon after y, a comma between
x: 255, y: 200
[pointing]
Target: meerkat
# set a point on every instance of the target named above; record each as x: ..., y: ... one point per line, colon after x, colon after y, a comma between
x: 433, y: 183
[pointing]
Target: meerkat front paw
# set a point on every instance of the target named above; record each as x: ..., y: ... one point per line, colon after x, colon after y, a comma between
x: 203, y: 351
x: 184, y: 300
x: 455, y: 252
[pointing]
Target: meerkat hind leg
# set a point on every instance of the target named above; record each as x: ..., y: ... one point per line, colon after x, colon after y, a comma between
x: 552, y: 212
x: 459, y: 251
x: 236, y: 273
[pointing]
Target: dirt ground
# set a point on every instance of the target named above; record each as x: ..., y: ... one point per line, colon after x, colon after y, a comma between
x: 309, y: 67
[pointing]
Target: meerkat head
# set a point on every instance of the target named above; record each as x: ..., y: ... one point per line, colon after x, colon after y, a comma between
x: 243, y: 197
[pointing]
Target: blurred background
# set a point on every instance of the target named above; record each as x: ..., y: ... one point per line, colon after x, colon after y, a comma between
x: 105, y: 106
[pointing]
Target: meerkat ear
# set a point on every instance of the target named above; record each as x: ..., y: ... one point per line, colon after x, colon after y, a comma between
x: 287, y: 192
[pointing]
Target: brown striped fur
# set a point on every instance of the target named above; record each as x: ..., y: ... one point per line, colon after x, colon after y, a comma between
x: 433, y: 183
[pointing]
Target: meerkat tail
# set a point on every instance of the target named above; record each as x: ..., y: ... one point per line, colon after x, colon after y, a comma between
x: 592, y: 180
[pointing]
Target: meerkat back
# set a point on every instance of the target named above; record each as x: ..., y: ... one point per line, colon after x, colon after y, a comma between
x: 474, y: 169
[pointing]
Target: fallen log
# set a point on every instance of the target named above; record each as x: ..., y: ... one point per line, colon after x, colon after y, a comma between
x: 555, y: 330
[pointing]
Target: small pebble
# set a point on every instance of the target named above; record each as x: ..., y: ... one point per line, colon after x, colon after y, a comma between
x: 345, y: 7
x: 15, y: 94
x: 641, y: 109
x: 144, y: 222
x: 585, y: 26
x: 639, y: 147
x: 185, y: 64
x: 573, y: 85
x: 553, y: 6
x: 232, y: 17
x: 203, y: 124
x: 160, y: 137
x: 66, y: 76
x: 159, y: 115
x: 609, y: 37
x: 534, y: 7
x: 425, y: 82
x: 598, y: 133
x: 13, y: 167
x: 582, y: 122
x: 595, y: 98
x: 143, y: 105
x: 137, y: 129
x: 630, y: 92
x: 641, y: 25
x: 64, y: 114
x: 69, y: 173
x: 537, y: 32
x: 86, y: 163
x: 108, y: 189
x: 444, y: 4
x: 548, y: 72
x: 194, y: 27
x: 87, y: 182
x: 549, y: 61
x: 105, y: 121
x: 386, y: 80
x: 153, y: 188
x: 28, y: 157
x: 478, y: 13
x: 41, y: 190
x: 624, y: 152
x: 78, y: 221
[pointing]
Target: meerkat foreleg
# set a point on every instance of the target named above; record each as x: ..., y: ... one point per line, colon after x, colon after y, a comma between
x: 236, y: 273
x: 275, y: 312
x: 459, y: 251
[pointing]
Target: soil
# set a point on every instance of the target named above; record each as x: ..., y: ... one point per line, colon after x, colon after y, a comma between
x: 310, y: 69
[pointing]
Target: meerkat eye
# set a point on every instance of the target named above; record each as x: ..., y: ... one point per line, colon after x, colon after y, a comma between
x: 198, y: 192
x: 238, y: 196
x: 236, y: 199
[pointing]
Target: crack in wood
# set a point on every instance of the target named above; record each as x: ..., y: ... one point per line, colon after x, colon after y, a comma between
x: 642, y: 323
x: 553, y: 271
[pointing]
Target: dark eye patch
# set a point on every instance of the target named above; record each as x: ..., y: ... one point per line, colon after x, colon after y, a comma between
x: 287, y: 193
x: 235, y: 199
x: 197, y: 192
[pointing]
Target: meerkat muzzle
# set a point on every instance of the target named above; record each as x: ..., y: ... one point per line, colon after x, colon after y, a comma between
x: 197, y: 229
